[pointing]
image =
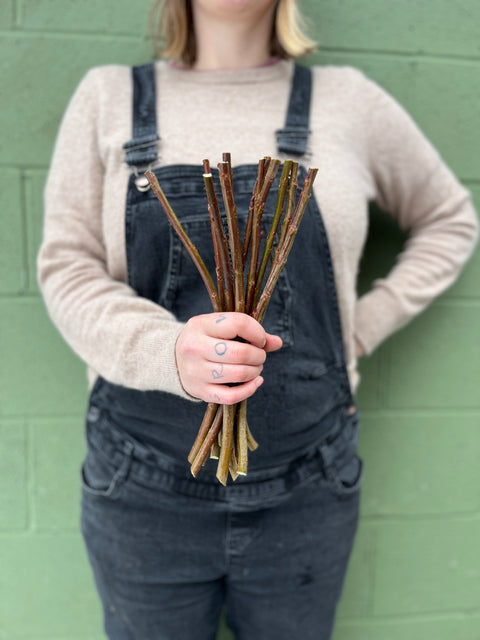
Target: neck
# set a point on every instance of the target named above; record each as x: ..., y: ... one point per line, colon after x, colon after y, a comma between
x: 232, y: 44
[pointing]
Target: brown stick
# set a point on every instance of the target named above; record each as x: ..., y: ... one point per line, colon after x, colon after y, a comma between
x: 256, y: 231
x: 214, y: 212
x: 291, y: 193
x: 206, y: 447
x: 248, y: 228
x: 226, y: 157
x: 227, y: 443
x: 187, y: 243
x: 241, y: 438
x: 252, y: 443
x: 233, y: 236
x: 208, y: 418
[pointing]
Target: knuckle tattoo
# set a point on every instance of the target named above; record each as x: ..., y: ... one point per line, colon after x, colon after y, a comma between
x: 221, y: 348
x: 217, y: 373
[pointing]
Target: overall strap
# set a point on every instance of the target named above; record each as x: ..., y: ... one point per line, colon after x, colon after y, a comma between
x: 142, y: 148
x: 293, y: 138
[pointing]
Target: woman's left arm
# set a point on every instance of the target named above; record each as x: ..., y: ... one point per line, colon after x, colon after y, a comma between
x: 413, y: 184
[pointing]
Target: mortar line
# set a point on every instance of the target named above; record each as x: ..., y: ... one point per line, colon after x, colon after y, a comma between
x: 467, y: 517
x: 27, y: 295
x: 384, y: 370
x: 26, y: 167
x: 460, y: 615
x: 468, y: 612
x: 420, y: 412
x: 372, y: 552
x: 65, y: 35
x: 17, y: 12
x: 30, y: 477
x: 26, y: 277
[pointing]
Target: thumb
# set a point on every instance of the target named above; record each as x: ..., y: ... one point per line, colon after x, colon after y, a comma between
x: 273, y: 343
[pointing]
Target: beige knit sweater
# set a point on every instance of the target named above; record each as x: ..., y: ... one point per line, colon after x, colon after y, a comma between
x: 365, y: 146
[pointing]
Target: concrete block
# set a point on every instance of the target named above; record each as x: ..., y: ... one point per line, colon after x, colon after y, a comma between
x: 13, y: 476
x: 12, y: 254
x: 426, y: 566
x: 420, y: 464
x: 58, y: 447
x: 439, y: 27
x: 46, y: 587
x: 39, y: 375
x: 7, y: 14
x: 70, y: 16
x: 34, y: 184
x: 30, y: 122
x: 357, y: 596
x: 440, y: 94
x: 435, y: 361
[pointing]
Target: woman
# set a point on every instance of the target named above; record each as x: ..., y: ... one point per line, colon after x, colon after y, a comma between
x: 168, y: 550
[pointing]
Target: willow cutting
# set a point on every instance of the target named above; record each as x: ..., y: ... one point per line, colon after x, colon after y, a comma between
x: 241, y: 267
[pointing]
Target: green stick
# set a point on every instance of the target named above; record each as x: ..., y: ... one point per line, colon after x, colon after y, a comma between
x: 227, y: 442
x: 281, y: 253
x: 267, y: 250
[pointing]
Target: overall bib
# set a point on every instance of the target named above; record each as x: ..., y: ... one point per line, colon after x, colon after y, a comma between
x: 167, y: 549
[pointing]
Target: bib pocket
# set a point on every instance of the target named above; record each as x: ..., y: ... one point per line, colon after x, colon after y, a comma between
x: 186, y: 295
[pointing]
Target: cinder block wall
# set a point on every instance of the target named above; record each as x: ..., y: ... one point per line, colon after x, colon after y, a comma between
x: 415, y: 571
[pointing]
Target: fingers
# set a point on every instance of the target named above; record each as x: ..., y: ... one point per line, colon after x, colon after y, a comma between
x: 232, y: 352
x: 210, y: 356
x: 230, y: 325
x: 231, y: 395
x: 219, y: 373
x: 274, y: 343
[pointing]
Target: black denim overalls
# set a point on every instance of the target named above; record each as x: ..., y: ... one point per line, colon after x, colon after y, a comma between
x: 305, y: 470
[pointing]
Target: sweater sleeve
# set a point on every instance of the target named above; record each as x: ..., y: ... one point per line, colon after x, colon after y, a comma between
x: 125, y: 338
x: 415, y: 186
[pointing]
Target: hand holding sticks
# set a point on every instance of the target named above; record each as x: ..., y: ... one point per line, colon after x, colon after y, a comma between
x: 224, y: 432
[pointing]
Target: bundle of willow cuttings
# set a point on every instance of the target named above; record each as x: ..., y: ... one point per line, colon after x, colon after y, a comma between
x: 240, y: 274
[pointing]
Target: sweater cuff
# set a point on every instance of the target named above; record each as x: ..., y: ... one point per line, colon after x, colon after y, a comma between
x: 169, y: 378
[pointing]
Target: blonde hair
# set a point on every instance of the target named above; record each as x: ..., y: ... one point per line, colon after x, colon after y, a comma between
x: 173, y: 33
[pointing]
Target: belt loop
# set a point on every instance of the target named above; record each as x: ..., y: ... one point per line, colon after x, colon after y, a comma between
x: 124, y: 469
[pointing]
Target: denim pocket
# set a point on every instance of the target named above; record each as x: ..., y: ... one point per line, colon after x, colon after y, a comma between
x: 103, y: 474
x: 342, y: 467
x: 346, y: 480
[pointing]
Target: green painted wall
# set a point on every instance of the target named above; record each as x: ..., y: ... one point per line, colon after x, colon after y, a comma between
x: 415, y: 571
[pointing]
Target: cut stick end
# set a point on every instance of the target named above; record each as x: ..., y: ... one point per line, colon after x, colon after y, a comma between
x: 222, y: 480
